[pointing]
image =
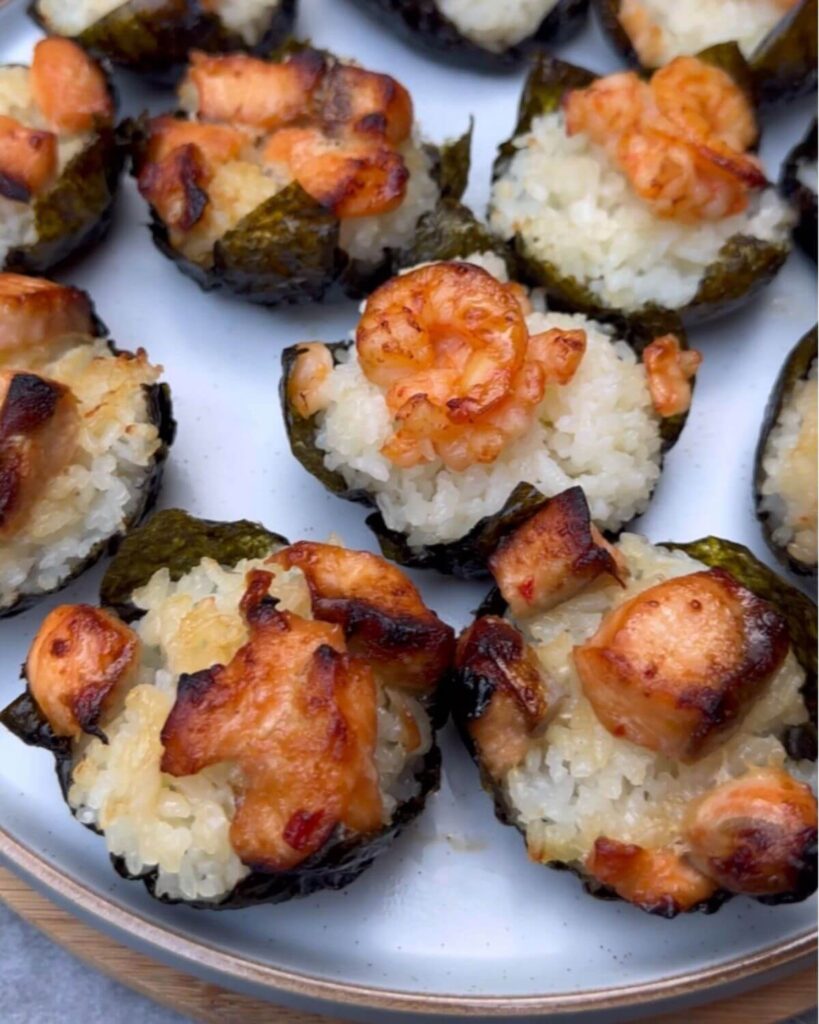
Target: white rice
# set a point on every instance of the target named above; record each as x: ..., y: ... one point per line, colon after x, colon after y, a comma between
x: 496, y: 24
x: 180, y: 826
x: 17, y: 220
x: 599, y: 431
x: 790, y: 473
x: 575, y: 209
x: 578, y: 782
x: 93, y: 498
x: 247, y: 18
x: 687, y: 28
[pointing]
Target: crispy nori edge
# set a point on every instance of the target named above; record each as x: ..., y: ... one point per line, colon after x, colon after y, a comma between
x: 457, y: 234
x: 801, y: 198
x: 160, y: 412
x: 796, y: 367
x: 304, y: 262
x: 782, y: 67
x: 744, y: 265
x: 177, y: 540
x: 470, y: 695
x: 421, y: 21
x: 154, y: 39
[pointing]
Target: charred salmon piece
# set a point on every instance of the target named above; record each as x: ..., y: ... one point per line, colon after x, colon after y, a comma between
x: 69, y: 87
x: 39, y: 425
x: 28, y: 160
x: 218, y: 143
x: 34, y: 311
x: 756, y: 834
x: 80, y: 662
x: 678, y: 665
x: 553, y: 556
x: 176, y: 186
x: 367, y: 103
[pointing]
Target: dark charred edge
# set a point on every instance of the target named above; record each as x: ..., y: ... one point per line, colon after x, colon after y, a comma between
x: 151, y: 41
x: 801, y: 198
x: 796, y: 367
x: 743, y: 266
x: 465, y: 558
x: 160, y: 413
x: 422, y: 22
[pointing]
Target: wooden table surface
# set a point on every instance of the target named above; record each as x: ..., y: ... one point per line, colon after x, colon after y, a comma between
x: 213, y: 1005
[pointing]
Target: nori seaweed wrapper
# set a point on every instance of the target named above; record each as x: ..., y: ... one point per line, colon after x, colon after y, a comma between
x: 458, y: 235
x: 154, y: 37
x: 176, y: 540
x: 797, y: 367
x: 801, y: 197
x: 744, y: 265
x: 421, y: 21
x: 782, y: 67
x: 471, y: 694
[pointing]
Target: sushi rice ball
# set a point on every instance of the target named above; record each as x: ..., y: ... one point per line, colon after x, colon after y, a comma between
x: 84, y: 434
x: 460, y: 387
x: 59, y: 162
x: 624, y: 194
x: 260, y: 730
x: 153, y: 37
x: 278, y: 178
x: 640, y: 713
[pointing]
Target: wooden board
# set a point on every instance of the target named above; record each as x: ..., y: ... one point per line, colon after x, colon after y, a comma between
x: 213, y: 1005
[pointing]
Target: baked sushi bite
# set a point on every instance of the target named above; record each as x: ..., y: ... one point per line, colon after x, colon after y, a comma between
x: 620, y: 193
x: 640, y: 712
x: 486, y: 34
x: 463, y: 402
x: 84, y: 434
x: 281, y: 178
x: 244, y: 720
x: 154, y: 37
x: 776, y: 37
x: 799, y: 186
x: 785, y: 480
x: 59, y: 162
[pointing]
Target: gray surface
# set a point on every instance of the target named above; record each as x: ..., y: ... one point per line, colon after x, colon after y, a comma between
x: 42, y: 984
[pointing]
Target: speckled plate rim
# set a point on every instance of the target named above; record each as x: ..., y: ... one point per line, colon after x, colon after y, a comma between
x: 242, y: 972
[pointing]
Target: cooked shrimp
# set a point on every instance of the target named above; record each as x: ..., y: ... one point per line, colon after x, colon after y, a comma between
x: 367, y: 103
x: 34, y: 312
x: 670, y: 370
x: 81, y: 659
x: 350, y: 176
x: 608, y: 108
x: 647, y: 37
x: 28, y: 160
x: 312, y: 367
x: 39, y: 424
x: 69, y: 87
x: 239, y: 89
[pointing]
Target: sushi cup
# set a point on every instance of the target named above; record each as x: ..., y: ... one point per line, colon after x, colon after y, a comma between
x: 280, y: 200
x: 778, y: 43
x: 59, y: 158
x: 609, y: 736
x: 154, y: 38
x: 785, y: 476
x: 85, y: 429
x: 477, y: 34
x: 207, y: 632
x: 599, y: 239
x: 798, y: 185
x: 438, y: 508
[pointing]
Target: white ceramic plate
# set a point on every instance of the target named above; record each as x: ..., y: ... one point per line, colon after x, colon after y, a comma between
x: 454, y: 919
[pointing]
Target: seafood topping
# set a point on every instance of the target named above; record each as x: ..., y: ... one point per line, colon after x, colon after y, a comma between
x: 681, y: 139
x: 756, y: 834
x: 311, y: 368
x: 381, y: 613
x: 331, y: 127
x: 81, y: 660
x: 508, y: 692
x: 553, y: 556
x: 676, y: 666
x: 39, y: 424
x: 659, y: 881
x: 670, y: 370
x: 28, y: 160
x: 34, y: 311
x: 296, y: 715
x: 69, y: 87
x: 449, y: 345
